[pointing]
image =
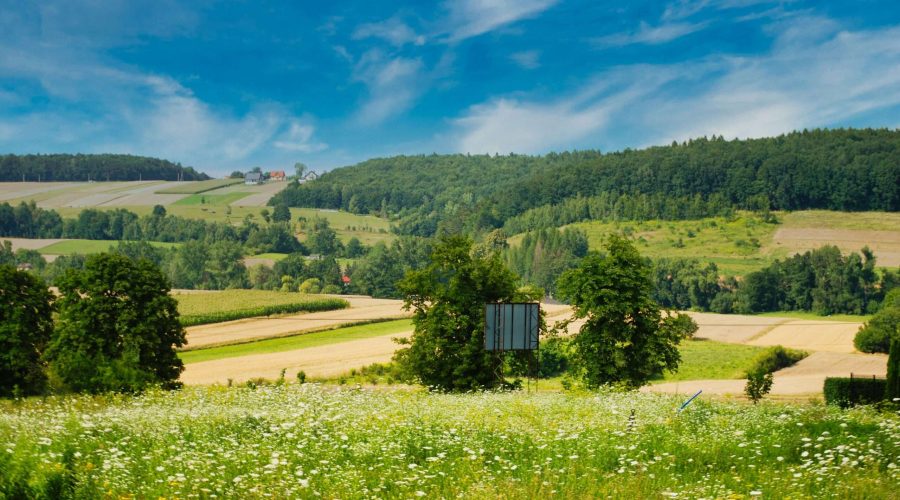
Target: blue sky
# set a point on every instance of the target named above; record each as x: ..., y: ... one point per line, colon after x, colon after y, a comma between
x: 231, y: 85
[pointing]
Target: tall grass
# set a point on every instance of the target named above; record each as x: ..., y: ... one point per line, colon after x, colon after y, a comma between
x: 291, y: 441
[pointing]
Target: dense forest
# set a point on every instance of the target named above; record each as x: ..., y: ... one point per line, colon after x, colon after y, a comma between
x: 99, y: 167
x: 846, y: 169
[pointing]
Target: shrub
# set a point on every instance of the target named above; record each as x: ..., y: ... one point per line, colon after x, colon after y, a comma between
x: 776, y: 358
x: 849, y: 391
x: 759, y: 384
x: 331, y: 289
x: 876, y: 334
x: 553, y: 357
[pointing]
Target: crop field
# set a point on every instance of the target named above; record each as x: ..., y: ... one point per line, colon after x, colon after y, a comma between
x: 199, y: 186
x: 745, y: 243
x: 295, y: 440
x: 361, y: 310
x: 228, y: 305
x: 706, y: 359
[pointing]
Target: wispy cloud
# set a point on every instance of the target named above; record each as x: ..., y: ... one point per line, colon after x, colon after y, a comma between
x: 803, y: 82
x: 649, y: 35
x: 299, y: 137
x: 529, y: 59
x: 394, y: 84
x: 394, y: 30
x: 469, y: 18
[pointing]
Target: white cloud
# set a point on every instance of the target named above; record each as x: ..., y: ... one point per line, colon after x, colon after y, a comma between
x: 393, y: 30
x: 299, y: 137
x: 394, y: 84
x: 803, y: 82
x: 528, y: 59
x: 469, y: 18
x: 649, y: 35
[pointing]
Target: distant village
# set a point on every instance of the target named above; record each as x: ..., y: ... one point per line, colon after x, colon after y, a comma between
x: 255, y: 177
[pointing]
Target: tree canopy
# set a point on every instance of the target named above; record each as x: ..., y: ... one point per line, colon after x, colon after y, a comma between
x: 118, y: 327
x: 26, y: 323
x: 626, y: 339
x: 96, y: 167
x: 447, y: 297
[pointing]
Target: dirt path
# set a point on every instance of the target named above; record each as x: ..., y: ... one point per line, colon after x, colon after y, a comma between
x: 361, y: 309
x: 322, y: 361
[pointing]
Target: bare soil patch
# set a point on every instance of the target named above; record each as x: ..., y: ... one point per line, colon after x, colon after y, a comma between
x: 323, y: 361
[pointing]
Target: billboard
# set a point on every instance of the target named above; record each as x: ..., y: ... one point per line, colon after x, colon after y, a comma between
x: 511, y: 327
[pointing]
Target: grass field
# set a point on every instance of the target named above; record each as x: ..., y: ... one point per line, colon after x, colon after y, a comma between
x: 306, y: 441
x: 746, y: 243
x: 226, y: 305
x: 86, y: 247
x: 282, y: 344
x: 218, y: 200
x: 705, y: 359
x: 815, y: 317
x: 271, y: 256
x: 199, y: 186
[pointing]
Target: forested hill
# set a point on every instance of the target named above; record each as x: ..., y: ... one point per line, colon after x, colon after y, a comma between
x: 825, y: 169
x: 99, y: 167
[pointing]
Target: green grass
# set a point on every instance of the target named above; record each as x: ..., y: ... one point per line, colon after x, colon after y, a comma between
x: 708, y: 360
x: 309, y: 441
x: 271, y: 256
x: 193, y: 187
x: 301, y: 341
x: 217, y: 200
x: 853, y: 318
x: 86, y: 247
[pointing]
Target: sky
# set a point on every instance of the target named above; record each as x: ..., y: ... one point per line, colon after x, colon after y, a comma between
x: 222, y: 86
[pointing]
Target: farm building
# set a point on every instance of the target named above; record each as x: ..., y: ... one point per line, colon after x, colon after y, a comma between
x: 251, y: 178
x: 309, y: 176
x: 277, y: 175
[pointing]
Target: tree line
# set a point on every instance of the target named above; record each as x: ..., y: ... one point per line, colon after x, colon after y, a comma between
x: 844, y: 169
x: 92, y: 167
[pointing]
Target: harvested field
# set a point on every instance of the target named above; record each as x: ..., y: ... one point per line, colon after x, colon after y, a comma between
x: 323, y: 361
x: 885, y: 244
x: 361, y: 309
x: 261, y: 194
x: 733, y: 328
x: 193, y: 187
x: 829, y: 336
x: 25, y: 190
x: 29, y: 243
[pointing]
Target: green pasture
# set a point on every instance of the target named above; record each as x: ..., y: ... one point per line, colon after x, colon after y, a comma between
x: 709, y: 360
x: 218, y: 200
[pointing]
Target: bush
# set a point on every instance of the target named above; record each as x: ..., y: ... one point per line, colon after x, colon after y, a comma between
x: 776, y: 358
x: 759, y: 384
x: 553, y: 357
x: 844, y: 391
x: 876, y: 334
x: 331, y: 290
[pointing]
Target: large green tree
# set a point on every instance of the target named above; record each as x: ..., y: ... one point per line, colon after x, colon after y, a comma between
x: 118, y: 327
x: 446, y: 350
x: 626, y: 339
x: 26, y: 323
x: 876, y: 334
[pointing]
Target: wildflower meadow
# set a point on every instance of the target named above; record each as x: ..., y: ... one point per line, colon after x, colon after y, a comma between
x: 309, y: 440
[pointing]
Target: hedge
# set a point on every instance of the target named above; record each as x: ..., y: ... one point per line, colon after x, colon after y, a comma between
x: 308, y: 306
x: 846, y: 391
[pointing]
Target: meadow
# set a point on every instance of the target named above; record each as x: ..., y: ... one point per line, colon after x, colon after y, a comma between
x: 291, y: 440
x: 746, y: 243
x: 228, y: 305
x: 85, y: 247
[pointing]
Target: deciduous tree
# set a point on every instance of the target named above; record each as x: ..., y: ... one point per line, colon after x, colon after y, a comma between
x: 26, y: 323
x: 625, y: 339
